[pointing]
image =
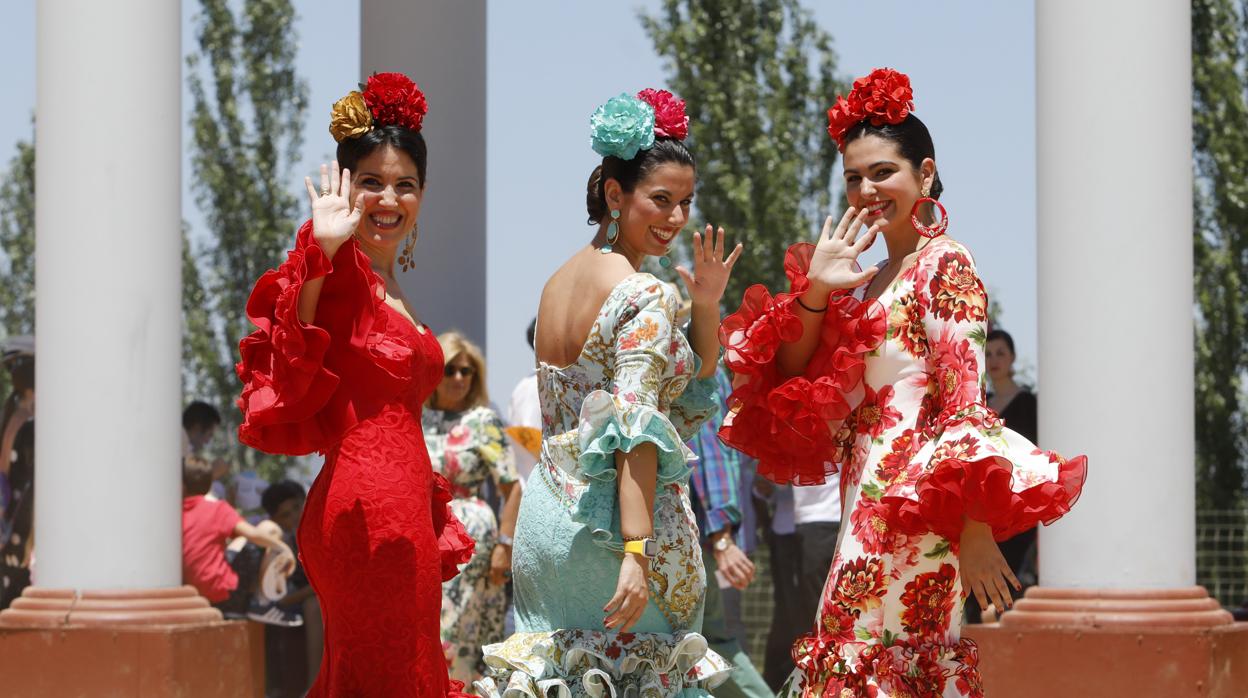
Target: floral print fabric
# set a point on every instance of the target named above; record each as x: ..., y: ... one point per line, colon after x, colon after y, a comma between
x: 468, y: 448
x: 918, y: 450
x: 630, y: 385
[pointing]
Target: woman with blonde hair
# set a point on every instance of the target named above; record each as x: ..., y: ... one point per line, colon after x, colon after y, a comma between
x: 466, y: 444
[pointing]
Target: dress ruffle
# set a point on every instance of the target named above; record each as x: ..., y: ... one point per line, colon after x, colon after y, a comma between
x: 574, y: 663
x: 290, y: 400
x: 795, y: 426
x: 975, y: 467
x: 609, y: 424
x: 909, y: 667
x: 454, y: 543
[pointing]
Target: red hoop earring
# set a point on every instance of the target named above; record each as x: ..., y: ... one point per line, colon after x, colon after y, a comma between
x: 936, y: 229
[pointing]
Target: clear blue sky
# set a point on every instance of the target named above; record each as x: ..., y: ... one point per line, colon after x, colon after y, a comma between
x: 552, y: 62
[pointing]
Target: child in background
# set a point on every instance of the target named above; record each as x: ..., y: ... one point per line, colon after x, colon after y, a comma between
x: 207, y: 526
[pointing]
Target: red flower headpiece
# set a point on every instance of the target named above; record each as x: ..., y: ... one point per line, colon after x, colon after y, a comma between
x: 387, y: 99
x: 883, y: 97
x: 670, y: 120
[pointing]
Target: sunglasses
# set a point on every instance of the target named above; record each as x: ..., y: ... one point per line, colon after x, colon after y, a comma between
x: 465, y: 371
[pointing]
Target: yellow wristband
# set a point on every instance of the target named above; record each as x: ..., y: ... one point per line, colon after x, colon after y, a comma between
x: 645, y: 547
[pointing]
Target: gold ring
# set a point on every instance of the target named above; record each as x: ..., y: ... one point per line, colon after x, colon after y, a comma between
x: 324, y: 191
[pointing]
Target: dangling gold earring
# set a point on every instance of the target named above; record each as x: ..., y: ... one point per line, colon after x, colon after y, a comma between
x: 406, y: 260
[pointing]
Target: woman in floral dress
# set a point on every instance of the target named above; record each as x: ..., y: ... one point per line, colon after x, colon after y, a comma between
x: 466, y: 445
x: 608, y: 571
x: 886, y: 383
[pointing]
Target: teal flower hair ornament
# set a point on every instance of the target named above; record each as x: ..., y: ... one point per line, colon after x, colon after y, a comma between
x: 621, y: 127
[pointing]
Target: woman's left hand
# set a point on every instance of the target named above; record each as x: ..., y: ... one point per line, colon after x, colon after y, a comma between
x: 710, y: 270
x: 984, y: 570
x: 500, y: 564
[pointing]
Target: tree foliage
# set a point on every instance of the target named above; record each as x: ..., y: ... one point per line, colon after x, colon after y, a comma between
x: 1220, y: 129
x: 757, y: 77
x: 248, y: 112
x: 17, y: 248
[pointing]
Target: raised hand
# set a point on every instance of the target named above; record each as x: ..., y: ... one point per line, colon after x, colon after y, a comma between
x: 710, y: 270
x: 334, y: 219
x: 836, y: 253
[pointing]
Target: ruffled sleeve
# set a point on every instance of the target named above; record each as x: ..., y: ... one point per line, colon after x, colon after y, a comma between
x: 965, y: 462
x: 644, y: 382
x: 796, y: 425
x: 305, y: 384
x: 454, y: 543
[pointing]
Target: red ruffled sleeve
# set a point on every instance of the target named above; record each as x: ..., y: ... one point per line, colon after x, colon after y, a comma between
x: 454, y: 543
x: 305, y: 384
x: 796, y: 426
x: 962, y: 460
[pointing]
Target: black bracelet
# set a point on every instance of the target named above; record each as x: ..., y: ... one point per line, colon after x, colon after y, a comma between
x: 824, y: 309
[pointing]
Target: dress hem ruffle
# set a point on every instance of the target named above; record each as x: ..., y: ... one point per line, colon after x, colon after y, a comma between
x: 534, y: 664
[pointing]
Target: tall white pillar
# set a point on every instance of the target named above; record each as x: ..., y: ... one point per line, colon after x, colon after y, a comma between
x: 1114, y: 200
x: 441, y: 46
x: 108, y: 311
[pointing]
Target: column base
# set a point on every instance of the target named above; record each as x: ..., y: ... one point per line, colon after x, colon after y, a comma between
x: 1102, y: 642
x: 40, y: 607
x: 139, y: 642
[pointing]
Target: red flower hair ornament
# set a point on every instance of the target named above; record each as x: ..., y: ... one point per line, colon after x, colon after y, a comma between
x: 387, y: 99
x: 883, y: 97
x: 670, y: 119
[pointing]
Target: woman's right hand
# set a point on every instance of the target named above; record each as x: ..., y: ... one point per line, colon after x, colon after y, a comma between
x: 334, y: 220
x: 836, y: 254
x: 629, y: 603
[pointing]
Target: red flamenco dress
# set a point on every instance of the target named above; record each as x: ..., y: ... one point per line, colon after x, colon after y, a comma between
x: 893, y: 398
x: 377, y: 537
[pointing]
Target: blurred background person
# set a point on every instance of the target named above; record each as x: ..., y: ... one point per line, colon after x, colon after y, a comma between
x: 775, y: 506
x: 292, y: 654
x: 1017, y: 407
x: 467, y: 445
x: 17, y: 470
x: 524, y: 418
x: 716, y: 505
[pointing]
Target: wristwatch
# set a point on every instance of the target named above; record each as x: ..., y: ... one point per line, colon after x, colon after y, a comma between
x: 504, y: 539
x: 722, y: 542
x: 645, y: 547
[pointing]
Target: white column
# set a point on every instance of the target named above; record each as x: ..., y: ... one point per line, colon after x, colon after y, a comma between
x: 108, y: 318
x: 441, y: 46
x: 1114, y: 201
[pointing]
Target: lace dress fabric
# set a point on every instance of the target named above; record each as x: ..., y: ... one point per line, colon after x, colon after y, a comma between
x: 468, y: 448
x: 630, y: 385
x: 377, y: 536
x: 894, y: 398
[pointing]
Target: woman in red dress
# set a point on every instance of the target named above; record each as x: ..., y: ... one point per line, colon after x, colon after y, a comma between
x: 341, y: 365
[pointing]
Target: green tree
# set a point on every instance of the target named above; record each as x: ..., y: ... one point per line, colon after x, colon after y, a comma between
x: 248, y: 111
x: 1220, y: 113
x: 757, y: 77
x: 17, y: 247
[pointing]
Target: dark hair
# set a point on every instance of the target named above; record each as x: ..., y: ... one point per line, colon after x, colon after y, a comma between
x: 528, y: 334
x: 1004, y: 337
x: 352, y: 150
x: 629, y: 172
x: 201, y: 414
x: 279, y: 492
x: 912, y: 140
x: 196, y: 475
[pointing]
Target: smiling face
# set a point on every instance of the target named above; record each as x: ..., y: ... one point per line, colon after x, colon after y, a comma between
x: 392, y: 191
x: 879, y: 179
x: 653, y: 214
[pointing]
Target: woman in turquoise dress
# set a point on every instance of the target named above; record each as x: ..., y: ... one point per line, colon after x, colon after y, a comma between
x: 607, y: 568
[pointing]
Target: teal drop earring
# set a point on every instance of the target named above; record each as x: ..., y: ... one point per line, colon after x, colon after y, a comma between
x: 665, y: 262
x: 613, y: 231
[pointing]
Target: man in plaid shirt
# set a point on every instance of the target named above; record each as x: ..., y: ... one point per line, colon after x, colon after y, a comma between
x: 716, y: 484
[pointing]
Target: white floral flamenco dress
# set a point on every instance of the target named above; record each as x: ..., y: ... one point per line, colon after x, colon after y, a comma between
x: 630, y: 385
x: 893, y: 397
